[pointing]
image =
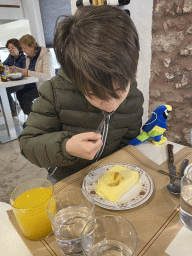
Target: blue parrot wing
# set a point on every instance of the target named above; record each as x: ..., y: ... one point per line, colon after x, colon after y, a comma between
x: 150, y: 124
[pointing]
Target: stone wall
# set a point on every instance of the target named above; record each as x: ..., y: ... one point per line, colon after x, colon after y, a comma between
x: 171, y: 67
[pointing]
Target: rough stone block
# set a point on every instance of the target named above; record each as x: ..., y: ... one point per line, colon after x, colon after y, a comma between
x: 167, y: 43
x: 187, y: 6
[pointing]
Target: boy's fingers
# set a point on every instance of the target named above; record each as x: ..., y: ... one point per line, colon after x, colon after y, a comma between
x: 96, y: 143
x: 91, y: 136
x: 96, y: 147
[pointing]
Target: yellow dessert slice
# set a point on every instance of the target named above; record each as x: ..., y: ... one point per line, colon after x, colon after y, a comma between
x: 118, y: 180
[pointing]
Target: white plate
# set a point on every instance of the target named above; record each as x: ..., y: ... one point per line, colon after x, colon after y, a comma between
x: 16, y: 78
x: 15, y: 75
x: 134, y: 197
x: 188, y: 169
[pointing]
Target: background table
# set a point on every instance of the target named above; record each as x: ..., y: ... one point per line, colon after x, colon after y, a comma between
x: 12, y: 131
x: 156, y: 221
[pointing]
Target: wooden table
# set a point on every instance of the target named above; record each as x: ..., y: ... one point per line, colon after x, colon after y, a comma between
x: 12, y: 131
x: 157, y: 221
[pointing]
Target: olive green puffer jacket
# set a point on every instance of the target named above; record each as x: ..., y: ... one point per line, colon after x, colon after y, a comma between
x: 62, y: 111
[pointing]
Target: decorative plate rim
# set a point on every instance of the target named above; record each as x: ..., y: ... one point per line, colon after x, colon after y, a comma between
x: 119, y: 206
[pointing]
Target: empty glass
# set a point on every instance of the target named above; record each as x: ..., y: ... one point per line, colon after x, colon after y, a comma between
x: 7, y: 71
x: 109, y: 235
x: 69, y: 211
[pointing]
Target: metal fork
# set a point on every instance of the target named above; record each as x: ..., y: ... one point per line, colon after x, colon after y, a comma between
x: 100, y: 127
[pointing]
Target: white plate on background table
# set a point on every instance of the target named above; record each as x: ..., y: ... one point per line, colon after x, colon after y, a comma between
x: 188, y: 169
x: 15, y: 78
x: 134, y: 197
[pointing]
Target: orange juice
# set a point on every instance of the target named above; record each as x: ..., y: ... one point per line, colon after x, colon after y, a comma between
x: 7, y: 72
x: 30, y: 209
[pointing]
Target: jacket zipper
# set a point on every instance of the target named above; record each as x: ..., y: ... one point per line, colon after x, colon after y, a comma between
x: 104, y: 138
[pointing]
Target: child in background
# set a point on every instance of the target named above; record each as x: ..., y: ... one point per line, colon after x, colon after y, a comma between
x: 98, y: 50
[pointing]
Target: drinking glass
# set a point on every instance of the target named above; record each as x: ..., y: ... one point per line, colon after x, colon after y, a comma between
x: 7, y: 71
x: 29, y: 202
x: 109, y: 235
x: 69, y: 211
x: 186, y: 200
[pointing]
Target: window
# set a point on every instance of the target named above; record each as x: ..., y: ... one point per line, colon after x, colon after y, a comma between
x: 55, y: 63
x: 3, y: 54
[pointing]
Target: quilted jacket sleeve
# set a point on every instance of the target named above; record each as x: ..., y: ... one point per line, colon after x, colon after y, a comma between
x: 133, y: 132
x: 42, y: 142
x: 137, y: 110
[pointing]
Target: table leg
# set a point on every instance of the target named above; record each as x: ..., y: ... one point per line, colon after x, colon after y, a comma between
x: 11, y: 132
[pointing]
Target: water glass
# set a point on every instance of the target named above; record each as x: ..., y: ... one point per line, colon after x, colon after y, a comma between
x: 7, y: 71
x: 109, y: 235
x: 186, y: 200
x: 29, y: 202
x: 69, y: 211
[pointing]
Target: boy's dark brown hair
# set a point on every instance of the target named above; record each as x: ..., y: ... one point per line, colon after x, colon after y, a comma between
x: 16, y: 43
x: 98, y: 48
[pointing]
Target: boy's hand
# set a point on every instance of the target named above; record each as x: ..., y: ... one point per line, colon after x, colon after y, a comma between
x: 84, y: 145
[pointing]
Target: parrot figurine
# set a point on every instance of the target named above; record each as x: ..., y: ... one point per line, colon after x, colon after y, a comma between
x: 154, y: 128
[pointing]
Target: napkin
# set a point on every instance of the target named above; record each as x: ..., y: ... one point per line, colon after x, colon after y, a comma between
x: 157, y: 154
x: 11, y: 243
x: 181, y: 244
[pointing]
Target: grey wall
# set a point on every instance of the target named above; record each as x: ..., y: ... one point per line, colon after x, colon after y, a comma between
x: 50, y: 11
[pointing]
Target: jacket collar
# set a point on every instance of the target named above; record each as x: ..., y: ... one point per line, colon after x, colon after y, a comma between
x: 64, y: 76
x: 17, y: 57
x: 43, y: 51
x: 36, y: 55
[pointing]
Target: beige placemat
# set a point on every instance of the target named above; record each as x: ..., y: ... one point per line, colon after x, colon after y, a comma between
x: 37, y: 248
x: 149, y: 219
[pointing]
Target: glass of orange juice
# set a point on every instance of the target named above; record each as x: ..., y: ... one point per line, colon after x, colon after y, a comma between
x: 29, y: 202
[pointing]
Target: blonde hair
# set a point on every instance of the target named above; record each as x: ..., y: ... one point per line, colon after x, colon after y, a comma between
x: 29, y: 41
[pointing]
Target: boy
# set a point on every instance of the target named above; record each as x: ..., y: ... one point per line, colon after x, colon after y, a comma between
x: 98, y: 50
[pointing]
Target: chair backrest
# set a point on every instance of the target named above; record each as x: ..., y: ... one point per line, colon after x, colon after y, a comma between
x: 56, y: 70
